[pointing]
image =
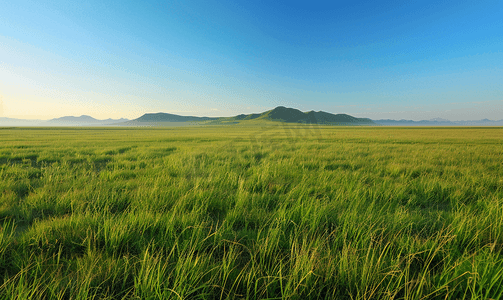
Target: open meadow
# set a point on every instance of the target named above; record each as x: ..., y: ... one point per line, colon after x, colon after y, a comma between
x: 251, y: 212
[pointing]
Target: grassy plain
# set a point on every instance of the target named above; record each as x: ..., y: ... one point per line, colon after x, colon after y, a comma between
x: 274, y: 212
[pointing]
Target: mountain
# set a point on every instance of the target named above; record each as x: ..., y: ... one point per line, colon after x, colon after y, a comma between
x: 292, y: 115
x: 483, y: 122
x: 82, y: 121
x: 63, y: 121
x: 278, y: 114
x: 165, y: 117
x: 71, y: 119
x: 433, y: 122
x: 438, y: 120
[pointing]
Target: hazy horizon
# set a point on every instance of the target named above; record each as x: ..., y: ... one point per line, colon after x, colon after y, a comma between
x: 194, y: 115
x: 377, y: 60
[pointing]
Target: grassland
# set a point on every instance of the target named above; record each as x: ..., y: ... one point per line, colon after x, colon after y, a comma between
x: 275, y: 212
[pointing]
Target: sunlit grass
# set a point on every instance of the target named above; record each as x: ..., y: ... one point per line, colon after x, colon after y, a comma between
x: 252, y: 212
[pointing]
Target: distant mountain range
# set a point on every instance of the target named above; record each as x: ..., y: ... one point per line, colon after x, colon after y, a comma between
x: 83, y: 121
x: 439, y: 122
x: 278, y: 114
x: 64, y: 121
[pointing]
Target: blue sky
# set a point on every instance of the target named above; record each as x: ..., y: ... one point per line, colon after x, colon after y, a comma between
x: 389, y: 59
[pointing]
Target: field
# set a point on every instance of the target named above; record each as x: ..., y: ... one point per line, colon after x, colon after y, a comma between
x: 257, y: 212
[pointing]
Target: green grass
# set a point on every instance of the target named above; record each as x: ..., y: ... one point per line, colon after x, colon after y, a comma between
x: 251, y: 212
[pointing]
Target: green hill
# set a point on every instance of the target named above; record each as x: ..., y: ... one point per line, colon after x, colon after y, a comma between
x: 292, y: 115
x: 278, y: 114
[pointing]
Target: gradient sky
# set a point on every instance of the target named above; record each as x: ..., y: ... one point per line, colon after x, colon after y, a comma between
x: 378, y: 59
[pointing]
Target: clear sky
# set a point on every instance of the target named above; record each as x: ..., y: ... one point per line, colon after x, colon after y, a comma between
x: 378, y: 59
